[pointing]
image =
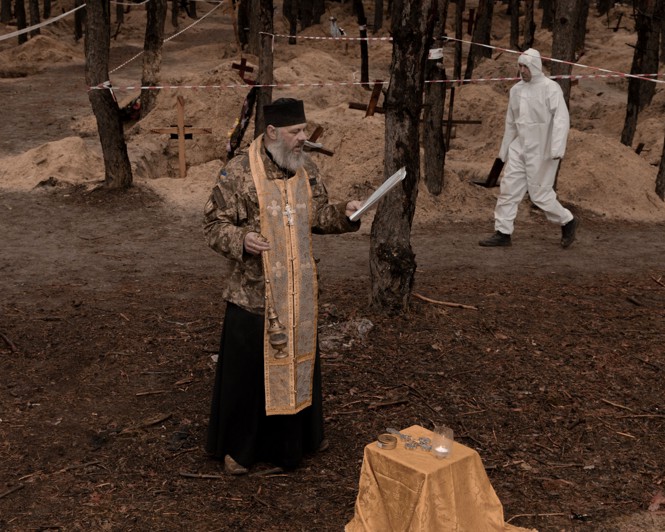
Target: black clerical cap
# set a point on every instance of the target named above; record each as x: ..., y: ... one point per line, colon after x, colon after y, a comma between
x: 284, y: 112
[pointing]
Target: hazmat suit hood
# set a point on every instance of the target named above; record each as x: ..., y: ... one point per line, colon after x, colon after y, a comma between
x: 531, y: 59
x: 537, y: 122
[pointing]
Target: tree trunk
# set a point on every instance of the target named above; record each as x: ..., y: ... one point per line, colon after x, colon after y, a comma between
x: 660, y: 178
x: 34, y: 16
x: 435, y: 100
x: 359, y: 10
x: 662, y: 33
x: 262, y: 10
x: 244, y: 18
x: 306, y: 16
x: 21, y: 22
x: 175, y: 7
x: 47, y: 9
x: 481, y: 34
x: 459, y: 34
x: 457, y: 72
x: 79, y: 20
x: 563, y: 42
x: 514, y: 24
x: 392, y: 261
x: 5, y: 11
x: 118, y: 171
x: 265, y: 74
x: 152, y: 57
x: 645, y: 61
x: 318, y: 10
x: 548, y: 13
x: 580, y: 26
x: 119, y: 16
x: 378, y: 15
x: 529, y: 25
x: 604, y: 6
x: 290, y: 12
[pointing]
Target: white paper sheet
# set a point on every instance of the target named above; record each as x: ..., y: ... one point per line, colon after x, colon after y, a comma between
x: 387, y: 185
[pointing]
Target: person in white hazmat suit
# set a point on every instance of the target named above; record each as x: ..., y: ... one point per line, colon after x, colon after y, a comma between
x: 534, y: 142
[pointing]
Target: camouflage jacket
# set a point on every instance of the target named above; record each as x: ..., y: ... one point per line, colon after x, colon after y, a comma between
x: 232, y: 211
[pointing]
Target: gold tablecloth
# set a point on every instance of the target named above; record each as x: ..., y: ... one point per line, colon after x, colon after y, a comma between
x: 411, y: 490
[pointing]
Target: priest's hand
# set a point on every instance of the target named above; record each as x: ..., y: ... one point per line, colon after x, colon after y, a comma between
x: 255, y: 243
x: 353, y: 206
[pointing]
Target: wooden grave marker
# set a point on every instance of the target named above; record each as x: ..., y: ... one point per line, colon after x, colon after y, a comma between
x: 243, y: 67
x: 493, y: 176
x: 181, y: 132
x: 372, y: 107
x: 311, y: 145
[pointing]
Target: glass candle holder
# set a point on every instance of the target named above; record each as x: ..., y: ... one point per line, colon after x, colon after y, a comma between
x: 442, y: 441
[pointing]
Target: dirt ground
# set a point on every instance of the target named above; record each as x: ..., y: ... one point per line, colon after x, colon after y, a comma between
x: 110, y: 315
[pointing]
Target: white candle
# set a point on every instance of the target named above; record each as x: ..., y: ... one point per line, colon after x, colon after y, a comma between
x: 441, y: 451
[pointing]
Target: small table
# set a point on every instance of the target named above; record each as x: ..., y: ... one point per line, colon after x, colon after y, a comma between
x: 411, y: 490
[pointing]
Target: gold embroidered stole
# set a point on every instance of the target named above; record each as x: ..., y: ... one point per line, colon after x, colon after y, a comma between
x: 285, y: 209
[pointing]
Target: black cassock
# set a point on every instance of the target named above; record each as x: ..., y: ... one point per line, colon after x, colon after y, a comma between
x: 238, y: 423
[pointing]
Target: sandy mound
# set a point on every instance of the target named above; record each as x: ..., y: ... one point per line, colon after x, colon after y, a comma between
x: 38, y: 53
x: 598, y: 175
x: 68, y: 161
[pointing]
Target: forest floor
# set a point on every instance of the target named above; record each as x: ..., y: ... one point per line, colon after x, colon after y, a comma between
x: 111, y: 312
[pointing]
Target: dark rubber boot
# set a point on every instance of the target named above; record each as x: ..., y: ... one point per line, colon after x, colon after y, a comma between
x: 568, y: 232
x: 496, y: 240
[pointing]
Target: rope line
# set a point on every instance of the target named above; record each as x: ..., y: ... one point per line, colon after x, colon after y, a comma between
x: 623, y: 74
x: 218, y: 4
x: 470, y: 43
x: 40, y: 25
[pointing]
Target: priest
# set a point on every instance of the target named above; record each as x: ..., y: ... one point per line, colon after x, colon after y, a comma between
x: 261, y: 214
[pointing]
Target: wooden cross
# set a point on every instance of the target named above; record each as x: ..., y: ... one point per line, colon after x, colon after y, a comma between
x: 313, y: 138
x: 182, y: 132
x: 372, y: 107
x: 243, y: 67
x: 493, y: 176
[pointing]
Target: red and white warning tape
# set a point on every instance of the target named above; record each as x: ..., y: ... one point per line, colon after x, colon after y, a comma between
x: 346, y: 83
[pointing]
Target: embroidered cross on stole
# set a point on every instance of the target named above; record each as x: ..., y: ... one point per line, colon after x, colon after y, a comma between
x: 285, y: 209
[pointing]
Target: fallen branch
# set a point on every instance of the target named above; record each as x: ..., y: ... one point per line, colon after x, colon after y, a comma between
x: 389, y: 403
x: 266, y: 472
x: 261, y: 501
x: 78, y: 466
x: 657, y: 416
x: 658, y: 281
x: 422, y: 399
x: 536, y: 515
x: 155, y: 421
x: 11, y: 345
x: 473, y: 412
x: 11, y: 490
x: 151, y: 392
x: 617, y: 405
x: 655, y: 366
x: 444, y: 303
x: 634, y: 301
x: 200, y: 475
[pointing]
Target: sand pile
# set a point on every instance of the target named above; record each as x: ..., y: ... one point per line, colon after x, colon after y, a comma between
x: 599, y: 174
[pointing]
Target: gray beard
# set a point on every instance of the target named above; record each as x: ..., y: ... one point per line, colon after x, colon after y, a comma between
x: 289, y: 160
